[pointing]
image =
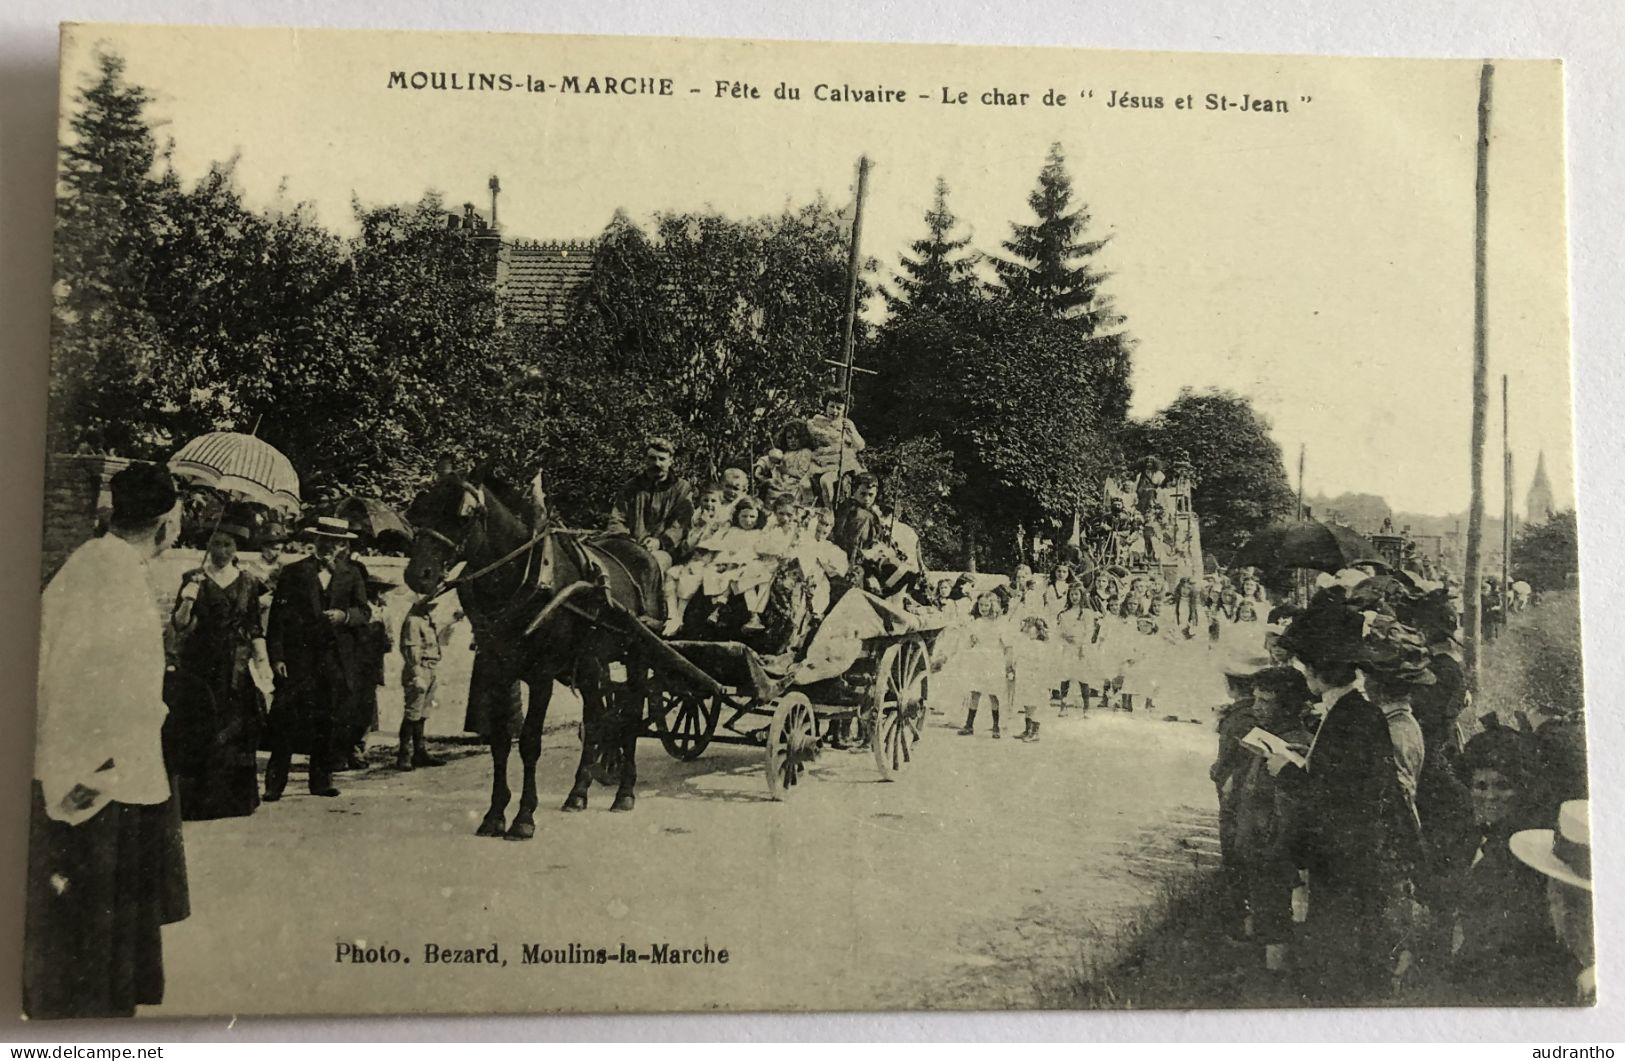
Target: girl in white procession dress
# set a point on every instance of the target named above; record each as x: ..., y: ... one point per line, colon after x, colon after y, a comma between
x: 1032, y: 668
x: 1080, y: 636
x: 982, y: 666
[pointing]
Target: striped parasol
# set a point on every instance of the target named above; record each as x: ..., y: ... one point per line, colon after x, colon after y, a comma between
x: 240, y: 465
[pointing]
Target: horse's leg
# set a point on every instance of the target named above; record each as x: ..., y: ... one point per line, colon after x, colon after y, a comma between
x: 490, y: 693
x: 630, y: 724
x: 590, y: 685
x: 530, y: 750
x: 501, y: 741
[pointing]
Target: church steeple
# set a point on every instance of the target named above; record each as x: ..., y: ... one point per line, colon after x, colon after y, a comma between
x: 1540, y: 504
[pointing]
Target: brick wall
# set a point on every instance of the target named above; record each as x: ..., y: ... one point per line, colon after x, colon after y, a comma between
x: 76, y: 496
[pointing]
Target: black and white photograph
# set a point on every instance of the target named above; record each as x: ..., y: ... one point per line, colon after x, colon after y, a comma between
x: 548, y: 524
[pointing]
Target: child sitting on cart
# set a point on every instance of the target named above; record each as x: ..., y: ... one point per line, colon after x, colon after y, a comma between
x: 821, y: 560
x: 735, y: 485
x: 773, y: 545
x: 705, y: 539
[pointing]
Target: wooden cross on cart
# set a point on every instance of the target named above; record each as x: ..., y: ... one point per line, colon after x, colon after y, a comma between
x: 854, y: 262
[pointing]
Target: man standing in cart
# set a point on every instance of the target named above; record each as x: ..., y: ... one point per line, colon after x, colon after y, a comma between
x: 656, y: 506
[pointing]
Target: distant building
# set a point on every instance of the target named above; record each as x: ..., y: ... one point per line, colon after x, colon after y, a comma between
x: 535, y: 280
x: 1540, y: 504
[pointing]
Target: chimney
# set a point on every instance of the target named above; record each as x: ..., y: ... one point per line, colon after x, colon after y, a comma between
x: 496, y: 187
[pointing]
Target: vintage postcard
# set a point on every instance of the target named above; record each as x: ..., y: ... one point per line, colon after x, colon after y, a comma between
x: 547, y: 524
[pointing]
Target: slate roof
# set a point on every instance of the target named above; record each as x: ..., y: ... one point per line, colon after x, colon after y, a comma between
x: 537, y: 279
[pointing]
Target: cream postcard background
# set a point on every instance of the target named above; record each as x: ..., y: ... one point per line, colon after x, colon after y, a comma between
x: 28, y: 149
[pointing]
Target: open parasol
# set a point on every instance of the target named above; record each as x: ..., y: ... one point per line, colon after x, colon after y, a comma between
x: 1309, y: 543
x: 240, y: 465
x: 372, y: 518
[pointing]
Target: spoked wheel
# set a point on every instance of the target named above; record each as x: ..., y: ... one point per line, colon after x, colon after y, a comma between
x: 792, y: 743
x: 897, y: 712
x: 686, y: 722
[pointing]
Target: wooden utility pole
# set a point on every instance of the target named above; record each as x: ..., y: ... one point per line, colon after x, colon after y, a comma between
x: 1506, y: 497
x: 1301, y: 449
x: 1472, y: 579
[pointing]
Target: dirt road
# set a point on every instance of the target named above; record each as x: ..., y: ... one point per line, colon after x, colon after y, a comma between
x: 993, y: 866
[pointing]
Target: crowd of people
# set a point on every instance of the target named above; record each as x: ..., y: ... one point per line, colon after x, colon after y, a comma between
x: 148, y: 718
x: 1364, y: 843
x: 1367, y: 850
x: 809, y: 520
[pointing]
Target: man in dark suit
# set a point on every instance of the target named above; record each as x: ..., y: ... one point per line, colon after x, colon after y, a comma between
x: 319, y: 606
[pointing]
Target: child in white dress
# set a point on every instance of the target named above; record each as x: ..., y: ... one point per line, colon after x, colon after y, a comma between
x: 1079, y: 632
x: 984, y: 663
x: 684, y: 580
x: 774, y: 544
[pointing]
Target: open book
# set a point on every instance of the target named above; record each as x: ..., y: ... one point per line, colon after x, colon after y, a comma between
x: 1265, y: 743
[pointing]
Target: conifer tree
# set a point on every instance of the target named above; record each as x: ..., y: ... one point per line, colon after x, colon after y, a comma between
x: 106, y: 347
x: 1048, y: 266
x: 940, y: 267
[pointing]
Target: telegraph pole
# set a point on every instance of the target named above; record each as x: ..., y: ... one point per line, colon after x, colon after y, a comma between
x: 1301, y: 449
x: 1472, y: 580
x: 1506, y: 497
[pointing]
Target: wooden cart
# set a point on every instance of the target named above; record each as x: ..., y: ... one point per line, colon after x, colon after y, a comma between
x: 702, y: 686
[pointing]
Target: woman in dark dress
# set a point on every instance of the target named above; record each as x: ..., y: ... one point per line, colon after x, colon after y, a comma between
x: 1503, y: 950
x: 1355, y: 832
x: 217, y: 716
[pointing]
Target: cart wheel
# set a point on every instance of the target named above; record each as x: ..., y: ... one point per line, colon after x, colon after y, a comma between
x: 897, y: 713
x: 686, y: 722
x: 792, y: 743
x: 923, y: 647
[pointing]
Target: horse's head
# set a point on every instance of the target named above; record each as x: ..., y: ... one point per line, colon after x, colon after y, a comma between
x: 445, y: 517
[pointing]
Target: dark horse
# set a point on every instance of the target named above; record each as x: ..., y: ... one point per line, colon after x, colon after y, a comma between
x: 541, y: 610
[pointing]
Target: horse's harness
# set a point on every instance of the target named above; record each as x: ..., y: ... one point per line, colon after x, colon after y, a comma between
x: 535, y: 583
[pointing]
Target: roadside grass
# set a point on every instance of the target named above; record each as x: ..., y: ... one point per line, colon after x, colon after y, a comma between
x: 1173, y: 954
x: 1535, y: 662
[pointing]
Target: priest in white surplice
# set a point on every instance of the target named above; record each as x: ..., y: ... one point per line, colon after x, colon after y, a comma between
x: 106, y: 867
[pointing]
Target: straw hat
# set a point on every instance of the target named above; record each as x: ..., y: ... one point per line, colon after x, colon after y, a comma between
x: 328, y: 527
x: 1564, y: 853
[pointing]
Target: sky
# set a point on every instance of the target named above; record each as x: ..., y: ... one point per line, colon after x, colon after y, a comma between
x: 1318, y: 261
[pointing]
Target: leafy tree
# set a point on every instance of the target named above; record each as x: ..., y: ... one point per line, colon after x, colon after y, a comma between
x: 1014, y: 396
x: 107, y: 356
x: 1547, y: 555
x: 1241, y: 483
x: 918, y: 475
x: 712, y: 330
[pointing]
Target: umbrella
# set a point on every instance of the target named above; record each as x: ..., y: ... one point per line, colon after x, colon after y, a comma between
x: 1310, y: 543
x: 369, y: 517
x: 240, y: 465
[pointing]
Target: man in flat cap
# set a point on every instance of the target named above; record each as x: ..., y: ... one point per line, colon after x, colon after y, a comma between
x: 656, y: 506
x: 106, y: 867
x: 319, y: 606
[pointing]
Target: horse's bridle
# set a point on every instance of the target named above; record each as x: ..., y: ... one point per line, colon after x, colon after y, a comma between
x: 475, y: 516
x: 476, y: 519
